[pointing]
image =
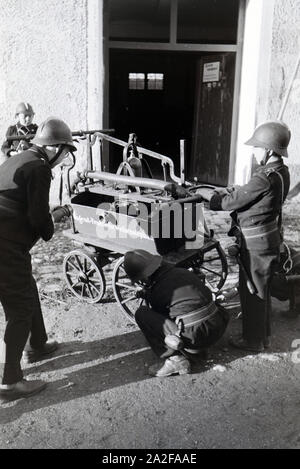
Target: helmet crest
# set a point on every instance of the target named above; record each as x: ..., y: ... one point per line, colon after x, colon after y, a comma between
x: 24, y: 108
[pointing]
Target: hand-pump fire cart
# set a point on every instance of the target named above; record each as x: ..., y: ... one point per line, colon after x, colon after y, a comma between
x: 115, y: 213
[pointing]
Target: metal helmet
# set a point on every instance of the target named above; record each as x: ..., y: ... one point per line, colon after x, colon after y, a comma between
x: 271, y: 135
x: 24, y: 108
x: 54, y: 131
x: 140, y: 264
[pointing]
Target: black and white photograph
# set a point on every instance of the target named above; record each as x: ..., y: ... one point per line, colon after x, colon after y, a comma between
x: 149, y: 227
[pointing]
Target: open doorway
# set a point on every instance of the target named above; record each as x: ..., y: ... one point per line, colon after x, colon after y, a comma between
x: 164, y: 97
x: 174, y: 74
x: 152, y: 94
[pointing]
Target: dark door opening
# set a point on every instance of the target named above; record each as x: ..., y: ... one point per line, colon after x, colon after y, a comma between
x: 160, y: 110
x: 161, y: 97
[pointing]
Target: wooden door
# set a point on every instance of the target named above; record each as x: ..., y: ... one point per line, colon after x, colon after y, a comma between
x: 213, y: 118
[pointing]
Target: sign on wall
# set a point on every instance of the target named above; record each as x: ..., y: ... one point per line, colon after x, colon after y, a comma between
x: 211, y: 72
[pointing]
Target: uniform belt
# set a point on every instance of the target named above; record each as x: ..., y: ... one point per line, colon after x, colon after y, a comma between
x: 194, y: 318
x: 10, y: 204
x: 260, y: 230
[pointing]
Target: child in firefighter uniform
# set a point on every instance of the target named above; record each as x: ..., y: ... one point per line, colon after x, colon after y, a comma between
x: 24, y: 218
x: 180, y: 319
x: 257, y: 209
x: 24, y: 126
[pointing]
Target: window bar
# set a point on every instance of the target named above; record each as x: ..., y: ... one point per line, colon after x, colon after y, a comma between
x: 173, y: 22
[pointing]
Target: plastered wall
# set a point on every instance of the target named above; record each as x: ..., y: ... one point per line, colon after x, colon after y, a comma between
x: 281, y: 62
x: 44, y: 60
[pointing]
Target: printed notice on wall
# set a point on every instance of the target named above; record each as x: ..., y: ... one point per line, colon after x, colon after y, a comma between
x: 211, y: 72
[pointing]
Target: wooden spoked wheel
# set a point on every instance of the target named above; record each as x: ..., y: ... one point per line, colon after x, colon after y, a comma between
x: 84, y: 276
x: 211, y: 262
x: 125, y: 291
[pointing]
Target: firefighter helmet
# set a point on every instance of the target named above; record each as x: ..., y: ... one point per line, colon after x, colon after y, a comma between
x: 24, y: 108
x: 54, y: 131
x: 140, y: 264
x: 271, y: 135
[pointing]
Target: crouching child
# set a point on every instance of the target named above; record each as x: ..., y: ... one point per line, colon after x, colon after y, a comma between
x: 181, y: 320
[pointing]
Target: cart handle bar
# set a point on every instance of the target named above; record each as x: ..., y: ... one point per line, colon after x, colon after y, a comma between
x: 76, y: 133
x: 164, y: 159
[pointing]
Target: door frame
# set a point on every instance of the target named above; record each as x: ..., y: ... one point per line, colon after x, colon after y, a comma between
x: 172, y: 45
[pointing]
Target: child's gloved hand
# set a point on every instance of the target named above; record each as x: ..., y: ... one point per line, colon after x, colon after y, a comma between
x: 12, y: 153
x: 223, y: 190
x: 177, y: 191
x: 60, y: 212
x: 24, y: 145
x: 141, y: 293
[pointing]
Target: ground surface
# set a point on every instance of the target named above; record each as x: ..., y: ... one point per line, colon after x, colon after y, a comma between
x: 100, y: 395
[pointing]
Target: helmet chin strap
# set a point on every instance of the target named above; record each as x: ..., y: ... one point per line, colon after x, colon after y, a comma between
x: 268, y: 154
x: 59, y: 152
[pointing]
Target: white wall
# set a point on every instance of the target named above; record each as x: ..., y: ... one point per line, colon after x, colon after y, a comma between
x: 254, y: 76
x: 51, y: 56
x: 285, y: 53
x: 43, y: 58
x: 271, y: 48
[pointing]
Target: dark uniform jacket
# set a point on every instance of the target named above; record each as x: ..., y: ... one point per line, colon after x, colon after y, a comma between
x: 17, y: 145
x: 258, y: 202
x: 178, y: 296
x: 24, y: 198
x: 175, y: 291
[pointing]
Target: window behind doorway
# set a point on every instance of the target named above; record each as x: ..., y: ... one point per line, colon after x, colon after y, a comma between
x: 192, y: 21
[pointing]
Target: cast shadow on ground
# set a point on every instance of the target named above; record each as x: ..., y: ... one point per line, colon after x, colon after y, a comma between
x: 90, y: 377
x: 130, y: 366
x: 106, y: 364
